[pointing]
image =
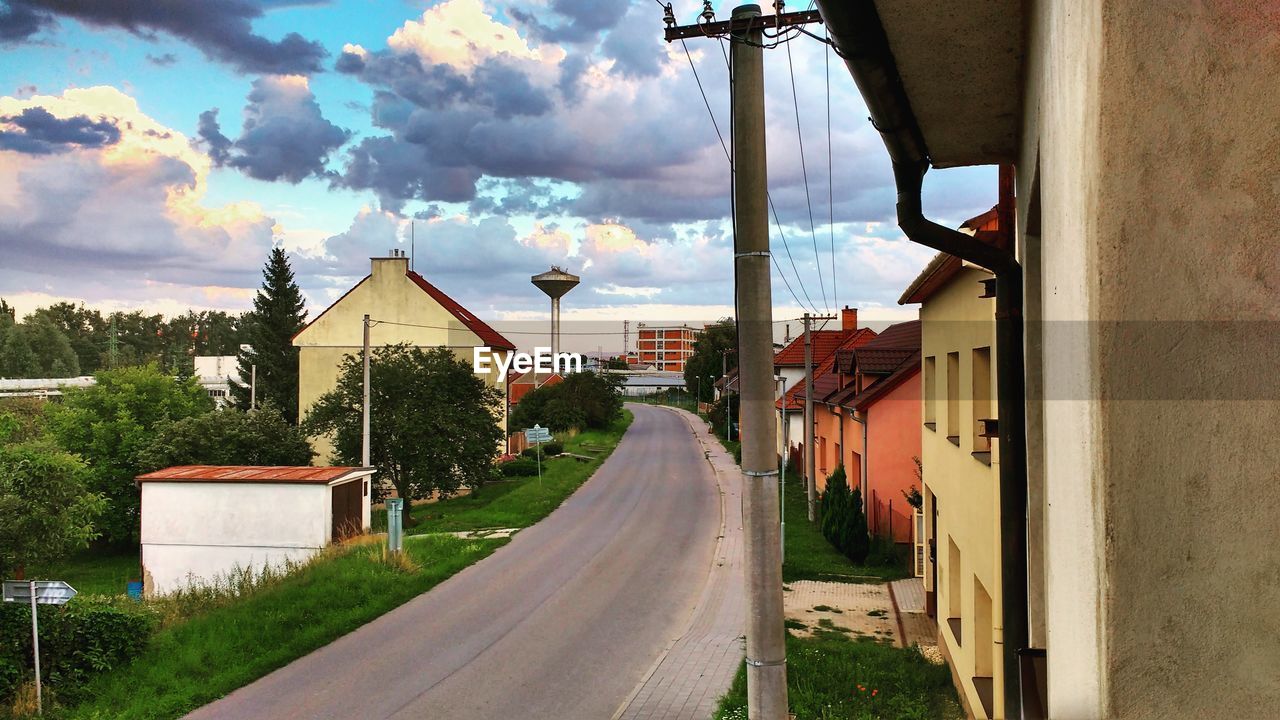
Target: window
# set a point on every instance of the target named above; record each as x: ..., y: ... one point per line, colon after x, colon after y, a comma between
x: 930, y: 392
x: 982, y: 653
x: 953, y: 397
x: 953, y: 589
x: 981, y: 399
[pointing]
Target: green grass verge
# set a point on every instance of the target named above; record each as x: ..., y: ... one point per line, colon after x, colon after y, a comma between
x: 808, y: 554
x: 521, y: 502
x: 96, y: 571
x: 208, y: 656
x: 831, y: 676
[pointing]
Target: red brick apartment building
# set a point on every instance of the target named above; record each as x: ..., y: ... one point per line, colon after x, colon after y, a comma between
x: 664, y: 347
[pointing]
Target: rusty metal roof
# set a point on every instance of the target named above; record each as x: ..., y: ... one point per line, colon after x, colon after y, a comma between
x: 254, y: 474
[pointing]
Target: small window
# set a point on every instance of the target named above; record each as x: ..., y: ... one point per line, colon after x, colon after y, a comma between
x: 931, y: 392
x: 981, y: 398
x: 953, y: 397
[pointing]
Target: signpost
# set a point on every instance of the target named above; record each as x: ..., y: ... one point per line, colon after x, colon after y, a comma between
x: 537, y: 435
x: 37, y: 592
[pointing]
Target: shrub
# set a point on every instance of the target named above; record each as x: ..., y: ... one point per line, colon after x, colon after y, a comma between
x: 552, y: 449
x: 520, y: 467
x: 87, y: 636
x: 841, y: 518
x: 580, y: 401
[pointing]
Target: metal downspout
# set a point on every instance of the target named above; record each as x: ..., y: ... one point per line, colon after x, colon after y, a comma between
x: 860, y: 39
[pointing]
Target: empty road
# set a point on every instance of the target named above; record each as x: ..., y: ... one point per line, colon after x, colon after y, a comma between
x: 561, y: 623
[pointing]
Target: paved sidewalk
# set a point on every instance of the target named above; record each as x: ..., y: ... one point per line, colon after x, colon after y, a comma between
x: 855, y: 608
x: 699, y: 666
x: 917, y: 627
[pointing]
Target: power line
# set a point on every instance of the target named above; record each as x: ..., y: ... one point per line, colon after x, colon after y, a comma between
x: 729, y: 157
x: 817, y: 260
x: 831, y: 206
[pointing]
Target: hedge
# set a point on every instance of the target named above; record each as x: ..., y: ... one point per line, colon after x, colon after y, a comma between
x: 87, y: 636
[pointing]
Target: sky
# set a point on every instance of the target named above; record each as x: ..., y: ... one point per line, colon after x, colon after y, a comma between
x: 151, y: 155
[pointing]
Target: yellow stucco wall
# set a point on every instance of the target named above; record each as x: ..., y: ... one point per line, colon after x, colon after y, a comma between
x: 387, y: 295
x: 963, y: 489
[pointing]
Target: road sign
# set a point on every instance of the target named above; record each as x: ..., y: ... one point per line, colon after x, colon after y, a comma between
x: 37, y: 592
x: 48, y: 592
x: 537, y: 434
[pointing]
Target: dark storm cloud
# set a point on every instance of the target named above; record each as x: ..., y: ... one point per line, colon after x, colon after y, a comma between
x: 164, y: 60
x: 40, y: 133
x: 638, y: 54
x: 19, y: 22
x: 578, y: 21
x: 221, y: 29
x: 284, y: 137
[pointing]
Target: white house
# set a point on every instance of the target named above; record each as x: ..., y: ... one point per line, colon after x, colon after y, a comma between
x: 200, y: 522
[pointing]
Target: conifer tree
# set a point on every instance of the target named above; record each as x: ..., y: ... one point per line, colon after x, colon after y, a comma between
x: 278, y: 314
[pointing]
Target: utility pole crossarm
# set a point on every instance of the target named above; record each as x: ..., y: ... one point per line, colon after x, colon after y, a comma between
x: 741, y: 26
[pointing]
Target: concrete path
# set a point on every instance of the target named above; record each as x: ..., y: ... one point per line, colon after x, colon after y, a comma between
x: 563, y: 622
x: 688, y: 680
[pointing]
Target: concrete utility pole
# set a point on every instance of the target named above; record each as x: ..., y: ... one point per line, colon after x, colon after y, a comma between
x: 766, y: 649
x: 810, y: 483
x: 364, y: 436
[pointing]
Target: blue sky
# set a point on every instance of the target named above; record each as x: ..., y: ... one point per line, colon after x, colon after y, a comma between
x: 516, y: 134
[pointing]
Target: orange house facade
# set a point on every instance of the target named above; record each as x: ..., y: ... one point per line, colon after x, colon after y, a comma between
x: 868, y: 419
x: 666, y: 348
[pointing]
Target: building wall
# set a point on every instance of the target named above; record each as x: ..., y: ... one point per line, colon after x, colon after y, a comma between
x: 893, y: 439
x: 666, y: 347
x: 389, y: 295
x: 962, y: 489
x: 1154, y: 129
x: 197, y: 531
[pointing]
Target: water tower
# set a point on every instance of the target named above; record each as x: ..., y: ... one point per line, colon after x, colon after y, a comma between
x: 555, y: 283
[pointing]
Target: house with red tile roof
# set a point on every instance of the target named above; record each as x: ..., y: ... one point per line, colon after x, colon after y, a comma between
x: 788, y: 363
x: 406, y: 308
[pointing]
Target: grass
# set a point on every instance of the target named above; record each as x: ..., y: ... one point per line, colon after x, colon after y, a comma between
x: 808, y: 554
x: 203, y: 658
x: 831, y: 676
x: 105, y: 571
x: 521, y: 502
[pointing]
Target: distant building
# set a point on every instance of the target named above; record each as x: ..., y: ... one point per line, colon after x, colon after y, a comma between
x: 217, y: 373
x: 411, y: 310
x: 530, y: 381
x: 667, y: 348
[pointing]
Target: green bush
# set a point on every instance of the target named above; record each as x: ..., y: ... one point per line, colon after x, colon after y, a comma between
x: 520, y: 467
x: 582, y: 400
x: 841, y: 518
x: 552, y: 449
x: 87, y: 636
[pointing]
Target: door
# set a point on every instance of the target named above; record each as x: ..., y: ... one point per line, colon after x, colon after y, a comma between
x: 347, y: 506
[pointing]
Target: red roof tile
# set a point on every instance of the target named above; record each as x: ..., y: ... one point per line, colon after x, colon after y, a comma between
x: 487, y: 335
x: 864, y: 399
x: 826, y: 374
x: 252, y: 474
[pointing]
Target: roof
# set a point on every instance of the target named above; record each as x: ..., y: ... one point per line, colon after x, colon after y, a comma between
x: 826, y: 374
x: 289, y: 474
x: 861, y: 401
x: 889, y: 349
x: 943, y: 267
x: 487, y: 335
x: 536, y: 379
x: 825, y: 342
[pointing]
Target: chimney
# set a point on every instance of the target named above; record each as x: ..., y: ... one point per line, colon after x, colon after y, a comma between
x: 849, y: 318
x: 389, y: 267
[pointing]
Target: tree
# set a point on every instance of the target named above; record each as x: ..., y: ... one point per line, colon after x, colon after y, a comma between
x: 709, y: 359
x: 110, y: 423
x: 52, y: 349
x: 47, y: 509
x: 278, y: 314
x: 581, y: 400
x: 17, y: 360
x: 86, y: 330
x: 841, y: 519
x: 227, y: 437
x: 433, y: 422
x: 22, y: 419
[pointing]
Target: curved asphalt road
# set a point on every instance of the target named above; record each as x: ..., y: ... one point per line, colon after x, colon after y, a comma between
x: 563, y: 622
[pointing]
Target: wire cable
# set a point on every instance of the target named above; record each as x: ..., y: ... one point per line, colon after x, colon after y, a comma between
x: 817, y: 260
x: 831, y: 207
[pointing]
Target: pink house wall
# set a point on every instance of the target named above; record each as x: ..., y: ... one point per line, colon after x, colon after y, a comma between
x: 893, y: 436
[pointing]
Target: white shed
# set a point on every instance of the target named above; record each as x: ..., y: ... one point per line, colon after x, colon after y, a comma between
x: 202, y: 521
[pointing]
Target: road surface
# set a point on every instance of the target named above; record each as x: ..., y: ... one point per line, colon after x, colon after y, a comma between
x: 561, y: 623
